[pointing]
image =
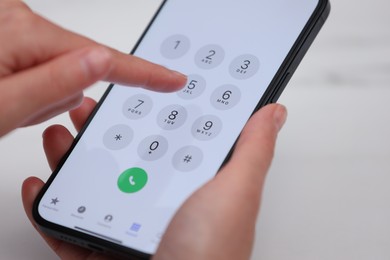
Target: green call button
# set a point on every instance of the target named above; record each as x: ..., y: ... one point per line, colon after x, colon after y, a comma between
x: 132, y: 180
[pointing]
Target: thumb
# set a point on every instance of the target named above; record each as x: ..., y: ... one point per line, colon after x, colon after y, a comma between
x: 254, y: 150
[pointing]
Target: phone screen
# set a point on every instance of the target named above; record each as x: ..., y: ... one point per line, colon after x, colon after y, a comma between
x: 144, y: 153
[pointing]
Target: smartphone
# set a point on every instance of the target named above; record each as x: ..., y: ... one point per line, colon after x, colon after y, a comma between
x: 142, y: 154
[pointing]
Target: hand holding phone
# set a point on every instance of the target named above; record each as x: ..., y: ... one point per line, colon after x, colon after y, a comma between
x: 240, y: 190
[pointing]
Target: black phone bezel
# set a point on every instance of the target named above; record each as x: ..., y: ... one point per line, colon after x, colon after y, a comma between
x: 271, y: 95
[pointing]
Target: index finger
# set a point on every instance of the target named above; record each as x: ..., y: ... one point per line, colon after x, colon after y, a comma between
x: 136, y: 72
x: 46, y: 41
x: 126, y: 69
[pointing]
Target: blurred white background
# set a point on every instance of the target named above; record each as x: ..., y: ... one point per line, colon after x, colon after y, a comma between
x: 327, y: 194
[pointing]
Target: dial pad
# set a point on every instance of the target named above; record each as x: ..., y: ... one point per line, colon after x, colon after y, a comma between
x: 179, y: 120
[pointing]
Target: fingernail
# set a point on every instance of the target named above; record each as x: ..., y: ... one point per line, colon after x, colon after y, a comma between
x: 97, y: 61
x: 280, y: 116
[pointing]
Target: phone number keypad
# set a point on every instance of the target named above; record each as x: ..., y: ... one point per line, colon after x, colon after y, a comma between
x: 173, y: 118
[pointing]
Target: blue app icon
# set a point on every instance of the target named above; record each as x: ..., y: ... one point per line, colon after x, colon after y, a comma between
x: 135, y: 227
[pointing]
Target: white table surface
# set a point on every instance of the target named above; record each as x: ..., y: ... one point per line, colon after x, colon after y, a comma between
x: 327, y: 194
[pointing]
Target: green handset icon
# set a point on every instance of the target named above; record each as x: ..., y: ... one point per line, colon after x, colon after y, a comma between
x: 132, y: 180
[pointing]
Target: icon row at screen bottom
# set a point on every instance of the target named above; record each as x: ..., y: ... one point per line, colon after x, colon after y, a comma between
x: 82, y: 210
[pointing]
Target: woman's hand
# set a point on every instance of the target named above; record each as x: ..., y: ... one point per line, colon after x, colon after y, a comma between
x: 44, y: 68
x: 217, y: 221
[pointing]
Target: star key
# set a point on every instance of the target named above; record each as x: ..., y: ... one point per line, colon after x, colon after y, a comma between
x: 54, y: 201
x: 118, y: 137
